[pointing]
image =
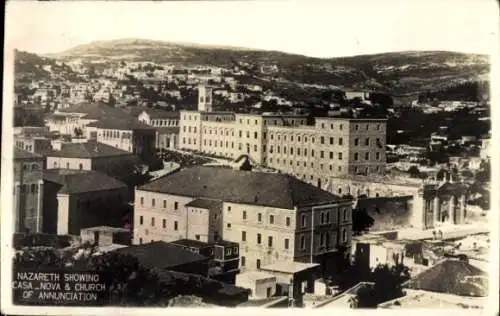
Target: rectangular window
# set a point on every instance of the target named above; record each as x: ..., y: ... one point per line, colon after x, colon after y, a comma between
x: 243, y: 261
x: 141, y: 220
x: 164, y: 223
x: 270, y: 241
x: 164, y: 203
x: 176, y: 226
x: 367, y: 142
x: 259, y: 217
x: 243, y: 236
x: 331, y: 140
x: 303, y: 220
x: 244, y: 214
x: 287, y: 243
x: 258, y: 263
x: 322, y: 140
x: 288, y: 221
x: 271, y: 219
x: 302, y: 242
x: 152, y: 221
x: 341, y: 141
x: 377, y: 156
x: 367, y: 156
x: 321, y: 154
x: 142, y: 200
x: 259, y: 239
x: 340, y: 156
x: 228, y: 225
x: 153, y: 202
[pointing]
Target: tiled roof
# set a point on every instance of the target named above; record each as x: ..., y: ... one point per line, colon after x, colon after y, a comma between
x: 24, y: 154
x: 190, y: 243
x: 245, y: 187
x: 204, y: 203
x: 452, y: 277
x: 107, y: 116
x: 159, y: 113
x: 96, y: 111
x: 80, y: 181
x: 124, y: 124
x: 161, y: 255
x: 90, y: 149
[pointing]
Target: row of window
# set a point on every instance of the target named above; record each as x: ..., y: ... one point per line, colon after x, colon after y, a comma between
x: 298, y: 152
x: 20, y: 144
x: 33, y: 188
x: 80, y: 166
x: 189, y: 129
x: 115, y: 134
x: 367, y: 156
x: 271, y: 218
x: 153, y: 203
x: 163, y: 223
x: 356, y: 127
x: 270, y: 240
x: 164, y: 122
x: 30, y: 167
x: 324, y: 217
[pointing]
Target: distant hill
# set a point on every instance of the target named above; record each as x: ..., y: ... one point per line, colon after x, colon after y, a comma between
x: 399, y: 72
x: 28, y: 67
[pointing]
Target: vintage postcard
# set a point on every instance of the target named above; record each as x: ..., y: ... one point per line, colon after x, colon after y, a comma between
x: 267, y: 154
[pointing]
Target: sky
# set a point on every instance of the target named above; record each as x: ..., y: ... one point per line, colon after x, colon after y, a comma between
x: 319, y: 28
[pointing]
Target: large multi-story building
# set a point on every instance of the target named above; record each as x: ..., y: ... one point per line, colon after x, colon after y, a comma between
x: 166, y: 124
x: 314, y: 153
x: 274, y: 217
x: 77, y: 199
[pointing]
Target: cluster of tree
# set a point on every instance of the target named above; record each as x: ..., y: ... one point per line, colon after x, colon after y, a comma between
x: 130, y: 284
x: 469, y: 91
x: 361, y: 221
x: 387, y: 285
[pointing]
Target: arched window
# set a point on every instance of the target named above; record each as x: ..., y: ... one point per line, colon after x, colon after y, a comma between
x: 80, y: 166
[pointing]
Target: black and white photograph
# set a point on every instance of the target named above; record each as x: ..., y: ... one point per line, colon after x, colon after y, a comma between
x: 249, y: 154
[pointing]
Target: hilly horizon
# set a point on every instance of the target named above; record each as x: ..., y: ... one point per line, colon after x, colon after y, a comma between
x: 138, y: 41
x: 402, y: 73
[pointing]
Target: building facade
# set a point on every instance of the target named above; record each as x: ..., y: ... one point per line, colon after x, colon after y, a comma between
x: 166, y: 124
x: 78, y: 199
x: 28, y: 191
x: 314, y: 153
x: 274, y: 217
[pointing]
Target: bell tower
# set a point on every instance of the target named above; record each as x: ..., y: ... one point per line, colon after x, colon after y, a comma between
x: 205, y: 98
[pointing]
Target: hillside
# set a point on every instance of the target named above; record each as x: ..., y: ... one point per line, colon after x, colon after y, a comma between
x: 28, y: 67
x: 399, y: 73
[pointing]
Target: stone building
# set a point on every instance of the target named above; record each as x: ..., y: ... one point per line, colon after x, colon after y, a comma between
x: 166, y: 124
x: 313, y: 153
x: 420, y: 204
x: 272, y: 216
x: 28, y: 191
x: 78, y: 199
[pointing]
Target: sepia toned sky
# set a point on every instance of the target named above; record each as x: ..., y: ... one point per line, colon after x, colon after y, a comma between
x: 314, y: 28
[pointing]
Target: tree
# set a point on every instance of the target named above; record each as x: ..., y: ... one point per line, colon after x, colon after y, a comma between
x: 361, y: 221
x: 414, y: 172
x: 387, y: 285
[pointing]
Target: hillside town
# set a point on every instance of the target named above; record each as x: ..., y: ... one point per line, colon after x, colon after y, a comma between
x: 242, y: 194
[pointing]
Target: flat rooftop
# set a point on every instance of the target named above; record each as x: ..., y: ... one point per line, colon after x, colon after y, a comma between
x: 289, y: 267
x: 106, y: 229
x: 255, y: 275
